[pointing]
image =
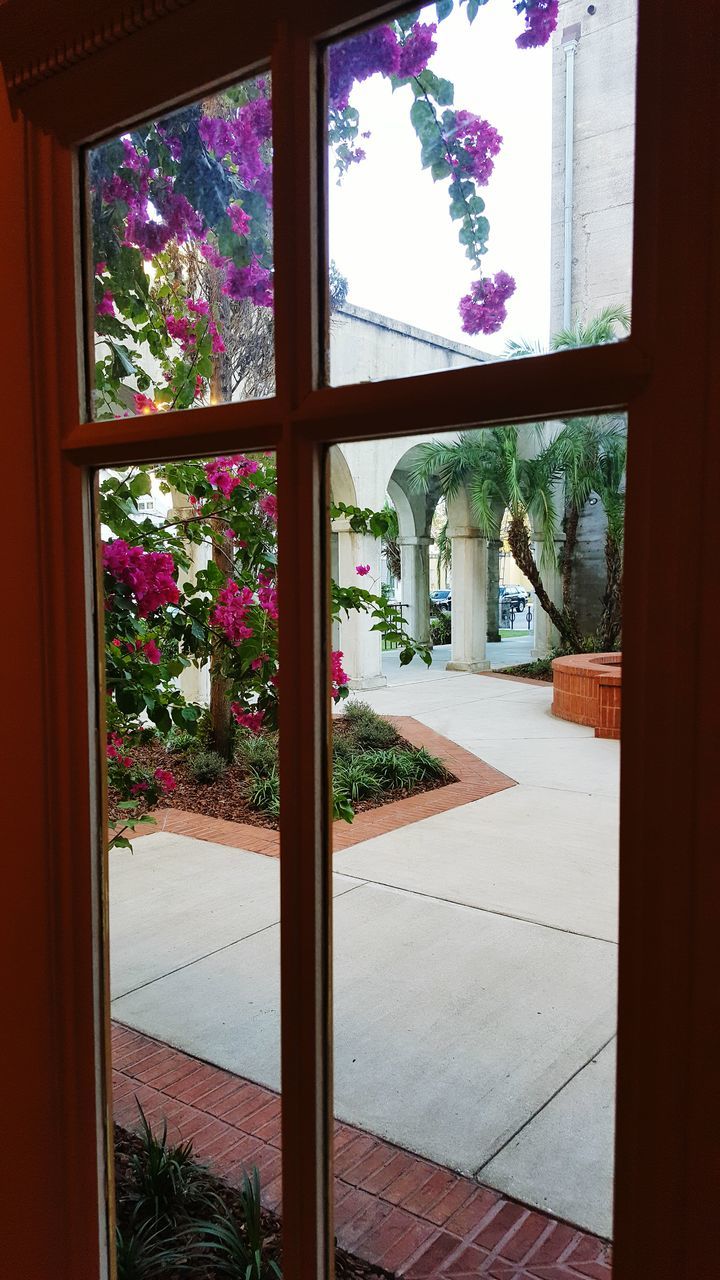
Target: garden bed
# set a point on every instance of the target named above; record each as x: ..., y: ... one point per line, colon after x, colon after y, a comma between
x: 168, y: 1208
x: 374, y: 765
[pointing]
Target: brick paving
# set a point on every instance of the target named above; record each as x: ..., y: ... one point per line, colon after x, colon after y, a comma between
x: 475, y: 781
x: 392, y: 1208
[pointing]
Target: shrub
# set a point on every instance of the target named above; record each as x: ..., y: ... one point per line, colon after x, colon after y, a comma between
x: 207, y: 766
x: 343, y: 747
x: 427, y: 766
x: 256, y: 752
x: 440, y: 624
x: 165, y: 1175
x: 367, y: 729
x: 263, y: 792
x: 393, y: 768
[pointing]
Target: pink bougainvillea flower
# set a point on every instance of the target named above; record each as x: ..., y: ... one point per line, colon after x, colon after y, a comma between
x: 149, y: 574
x: 165, y: 780
x: 252, y: 720
x: 116, y: 642
x: 151, y: 651
x: 100, y: 267
x: 269, y: 505
x: 106, y: 307
x: 362, y: 569
x: 231, y: 610
x: 338, y: 678
x: 137, y: 788
x: 143, y: 404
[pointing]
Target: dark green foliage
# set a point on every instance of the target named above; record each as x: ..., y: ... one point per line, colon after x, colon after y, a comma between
x: 144, y: 1251
x: 165, y: 1176
x: 357, y: 779
x: 367, y: 729
x: 180, y: 741
x: 256, y: 751
x: 207, y: 766
x: 172, y: 1218
x: 263, y: 791
x: 440, y: 624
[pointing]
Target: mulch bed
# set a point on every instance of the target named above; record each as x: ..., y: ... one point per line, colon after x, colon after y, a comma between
x: 528, y: 671
x: 225, y: 798
x: 347, y: 1266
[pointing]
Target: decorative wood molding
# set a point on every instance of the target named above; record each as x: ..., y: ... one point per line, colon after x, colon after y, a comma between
x: 90, y: 39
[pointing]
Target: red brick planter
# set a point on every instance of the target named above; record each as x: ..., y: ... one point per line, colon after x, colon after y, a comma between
x: 587, y: 689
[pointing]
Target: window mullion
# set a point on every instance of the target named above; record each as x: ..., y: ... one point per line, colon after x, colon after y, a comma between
x: 305, y: 867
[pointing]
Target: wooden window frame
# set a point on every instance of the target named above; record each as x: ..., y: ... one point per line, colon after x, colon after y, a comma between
x: 88, y: 74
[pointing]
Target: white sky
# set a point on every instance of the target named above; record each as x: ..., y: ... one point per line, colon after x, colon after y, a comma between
x: 390, y: 229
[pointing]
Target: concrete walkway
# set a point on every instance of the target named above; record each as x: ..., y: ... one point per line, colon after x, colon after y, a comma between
x: 509, y: 652
x: 475, y: 956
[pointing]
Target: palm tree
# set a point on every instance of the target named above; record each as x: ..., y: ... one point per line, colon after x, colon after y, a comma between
x: 497, y: 477
x: 581, y: 444
x: 608, y: 486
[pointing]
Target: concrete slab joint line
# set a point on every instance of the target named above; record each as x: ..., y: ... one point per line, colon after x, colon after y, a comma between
x: 420, y: 1220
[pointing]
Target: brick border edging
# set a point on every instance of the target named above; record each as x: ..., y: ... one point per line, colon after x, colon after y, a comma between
x: 476, y: 780
x: 394, y: 1209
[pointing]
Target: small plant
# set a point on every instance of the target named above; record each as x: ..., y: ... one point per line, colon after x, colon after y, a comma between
x: 395, y: 769
x: 165, y: 1175
x: 207, y: 766
x: 144, y: 1252
x: 256, y: 751
x: 356, y: 778
x: 427, y: 766
x: 263, y: 792
x: 343, y: 748
x: 180, y: 741
x: 239, y: 1255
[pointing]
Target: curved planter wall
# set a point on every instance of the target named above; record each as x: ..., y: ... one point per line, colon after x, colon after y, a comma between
x: 587, y: 689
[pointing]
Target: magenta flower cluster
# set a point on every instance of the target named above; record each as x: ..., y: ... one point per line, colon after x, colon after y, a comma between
x: 230, y: 612
x: 186, y: 330
x: 268, y: 596
x: 541, y: 18
x: 476, y: 143
x: 243, y: 139
x: 252, y: 720
x: 378, y: 49
x: 145, y: 648
x: 483, y: 310
x: 148, y: 574
x: 338, y: 678
x: 226, y: 474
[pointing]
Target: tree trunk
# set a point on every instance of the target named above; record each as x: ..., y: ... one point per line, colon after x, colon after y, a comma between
x: 567, y: 564
x: 519, y: 540
x: 610, y: 628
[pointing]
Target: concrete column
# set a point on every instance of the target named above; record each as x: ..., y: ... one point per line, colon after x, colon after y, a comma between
x: 469, y: 600
x: 415, y: 586
x: 194, y: 682
x: 545, y: 635
x: 360, y: 646
x: 493, y: 585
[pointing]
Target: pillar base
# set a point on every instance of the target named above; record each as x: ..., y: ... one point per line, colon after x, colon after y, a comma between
x: 368, y: 682
x: 467, y: 666
x: 536, y: 654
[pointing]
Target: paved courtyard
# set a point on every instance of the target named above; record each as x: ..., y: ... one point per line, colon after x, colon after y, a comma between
x: 475, y: 955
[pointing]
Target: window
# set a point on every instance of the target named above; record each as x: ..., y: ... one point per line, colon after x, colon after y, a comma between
x: 70, y: 96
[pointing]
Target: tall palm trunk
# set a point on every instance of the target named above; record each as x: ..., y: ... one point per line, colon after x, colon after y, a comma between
x: 519, y: 540
x: 610, y: 628
x: 567, y: 565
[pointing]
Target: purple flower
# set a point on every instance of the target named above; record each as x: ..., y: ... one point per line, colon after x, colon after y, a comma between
x: 540, y: 21
x: 417, y: 50
x: 362, y: 569
x: 358, y: 58
x: 483, y: 310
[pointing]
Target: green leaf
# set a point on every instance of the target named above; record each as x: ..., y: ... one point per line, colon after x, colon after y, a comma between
x: 141, y: 485
x: 129, y: 699
x: 421, y: 115
x: 120, y: 842
x: 444, y: 92
x: 443, y: 9
x: 441, y: 169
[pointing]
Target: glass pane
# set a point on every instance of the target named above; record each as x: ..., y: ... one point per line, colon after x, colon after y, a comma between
x: 190, y: 680
x: 475, y: 779
x: 180, y: 213
x: 480, y: 170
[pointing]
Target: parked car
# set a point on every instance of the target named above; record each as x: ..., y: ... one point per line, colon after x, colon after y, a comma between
x: 442, y: 598
x: 513, y: 598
